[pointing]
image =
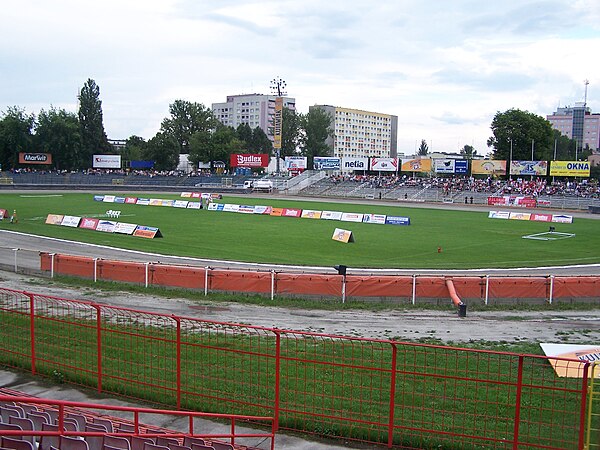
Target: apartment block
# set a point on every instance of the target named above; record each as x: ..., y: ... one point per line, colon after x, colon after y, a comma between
x: 578, y: 123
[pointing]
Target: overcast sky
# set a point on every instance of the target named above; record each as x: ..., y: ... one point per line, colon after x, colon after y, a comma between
x: 444, y: 67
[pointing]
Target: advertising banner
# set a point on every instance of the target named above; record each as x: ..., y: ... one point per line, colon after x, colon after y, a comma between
x: 350, y: 164
x: 311, y: 214
x: 344, y: 236
x: 147, y: 232
x: 570, y: 369
x: 35, y: 158
x: 331, y: 215
x: 131, y: 200
x: 277, y: 212
x: 258, y: 209
x: 541, y: 217
x: 119, y: 199
x: 519, y: 216
x: 488, y: 167
x: 248, y: 160
x: 384, y: 164
x: 194, y: 205
x: 109, y: 199
x: 155, y: 202
x: 88, y: 223
x: 125, y: 228
x: 326, y: 163
x: 106, y: 161
x: 228, y: 207
x: 352, y: 217
x: 180, y: 203
x: 143, y: 201
x: 461, y: 166
x: 295, y: 162
x: 107, y: 226
x: 291, y: 212
x: 70, y: 221
x: 499, y: 215
x: 537, y: 168
x: 277, y: 123
x: 569, y: 168
x: 374, y: 218
x: 54, y: 219
x: 416, y: 165
x: 98, y: 198
x: 397, y: 220
x: 562, y: 218
x: 3, y: 214
x: 246, y: 209
x: 443, y: 166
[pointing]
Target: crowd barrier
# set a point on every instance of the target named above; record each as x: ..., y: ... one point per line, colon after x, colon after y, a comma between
x: 469, y: 289
x: 397, y: 394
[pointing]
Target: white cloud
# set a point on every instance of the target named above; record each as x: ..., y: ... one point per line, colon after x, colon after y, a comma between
x: 444, y: 68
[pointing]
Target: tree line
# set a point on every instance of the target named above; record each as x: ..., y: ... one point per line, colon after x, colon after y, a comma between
x: 191, y: 128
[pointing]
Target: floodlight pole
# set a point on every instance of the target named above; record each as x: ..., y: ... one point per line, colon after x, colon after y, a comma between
x: 278, y: 88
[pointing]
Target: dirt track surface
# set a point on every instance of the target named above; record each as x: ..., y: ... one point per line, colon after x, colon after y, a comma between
x: 510, y: 326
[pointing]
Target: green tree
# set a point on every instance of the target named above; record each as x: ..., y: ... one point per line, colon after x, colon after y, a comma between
x: 563, y: 146
x: 186, y: 119
x: 522, y: 130
x: 468, y: 151
x: 15, y: 135
x: 201, y: 148
x: 423, y: 148
x: 316, y: 127
x: 290, y: 132
x: 58, y: 132
x: 93, y: 136
x: 260, y: 142
x: 163, y: 150
x: 244, y: 133
x: 134, y: 148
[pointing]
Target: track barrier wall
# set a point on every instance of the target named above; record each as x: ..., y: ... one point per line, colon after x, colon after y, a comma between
x: 395, y: 394
x: 485, y: 289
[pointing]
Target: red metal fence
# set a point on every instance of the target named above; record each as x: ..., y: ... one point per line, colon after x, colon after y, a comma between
x: 484, y: 289
x: 387, y: 392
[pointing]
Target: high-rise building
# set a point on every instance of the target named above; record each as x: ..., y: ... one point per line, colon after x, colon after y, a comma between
x: 358, y: 133
x: 257, y: 110
x: 578, y: 123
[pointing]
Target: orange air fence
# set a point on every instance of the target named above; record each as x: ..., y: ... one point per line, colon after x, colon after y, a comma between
x: 484, y: 289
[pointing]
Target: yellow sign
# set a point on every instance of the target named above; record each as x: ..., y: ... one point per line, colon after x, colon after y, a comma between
x: 277, y: 121
x: 488, y: 167
x: 570, y: 168
x: 569, y: 367
x: 416, y: 165
x: 344, y: 236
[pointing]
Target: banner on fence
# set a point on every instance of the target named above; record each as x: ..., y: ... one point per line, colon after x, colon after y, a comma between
x: 416, y: 165
x: 570, y: 168
x: 311, y: 214
x: 88, y: 223
x: 374, y: 218
x: 570, y: 369
x: 537, y: 168
x: 326, y: 163
x: 70, y: 221
x: 397, y: 220
x: 125, y: 228
x: 35, y: 158
x: 352, y: 217
x: 54, y: 219
x: 384, y: 164
x: 488, y: 167
x: 331, y: 215
x: 107, y: 226
x: 341, y: 235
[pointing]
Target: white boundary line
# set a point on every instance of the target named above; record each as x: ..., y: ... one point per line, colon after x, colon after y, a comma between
x: 355, y: 270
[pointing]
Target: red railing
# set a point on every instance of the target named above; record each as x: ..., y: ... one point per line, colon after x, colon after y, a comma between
x: 383, y: 391
x: 481, y: 289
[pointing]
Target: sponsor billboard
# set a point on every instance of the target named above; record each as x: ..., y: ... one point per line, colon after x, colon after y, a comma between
x: 230, y: 207
x: 326, y: 163
x: 397, y: 220
x: 374, y: 218
x: 561, y: 356
x: 54, y: 219
x: 98, y: 198
x: 109, y: 199
x: 35, y: 158
x: 70, y: 221
x: 519, y: 216
x: 562, y: 218
x: 246, y: 209
x: 259, y: 209
x: 570, y: 168
x: 248, y: 160
x: 295, y: 162
x: 3, y: 214
x: 311, y: 214
x: 499, y: 215
x: 352, y: 217
x: 350, y: 164
x: 88, y: 223
x: 106, y: 161
x: 194, y: 205
x: 416, y: 165
x: 541, y: 217
x: 276, y: 212
x: 450, y: 166
x: 143, y: 201
x: 147, y: 232
x: 108, y: 226
x: 180, y: 204
x: 331, y: 215
x: 538, y: 168
x: 488, y: 167
x: 384, y: 164
x: 125, y: 228
x: 344, y: 236
x: 277, y: 123
x: 291, y: 212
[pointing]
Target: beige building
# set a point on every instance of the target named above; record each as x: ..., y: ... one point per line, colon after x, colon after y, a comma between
x: 358, y: 133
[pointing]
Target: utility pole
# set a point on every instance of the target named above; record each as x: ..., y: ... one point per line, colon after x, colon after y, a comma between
x: 278, y: 89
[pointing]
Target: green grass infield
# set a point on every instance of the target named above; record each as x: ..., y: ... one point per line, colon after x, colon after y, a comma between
x: 435, y: 239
